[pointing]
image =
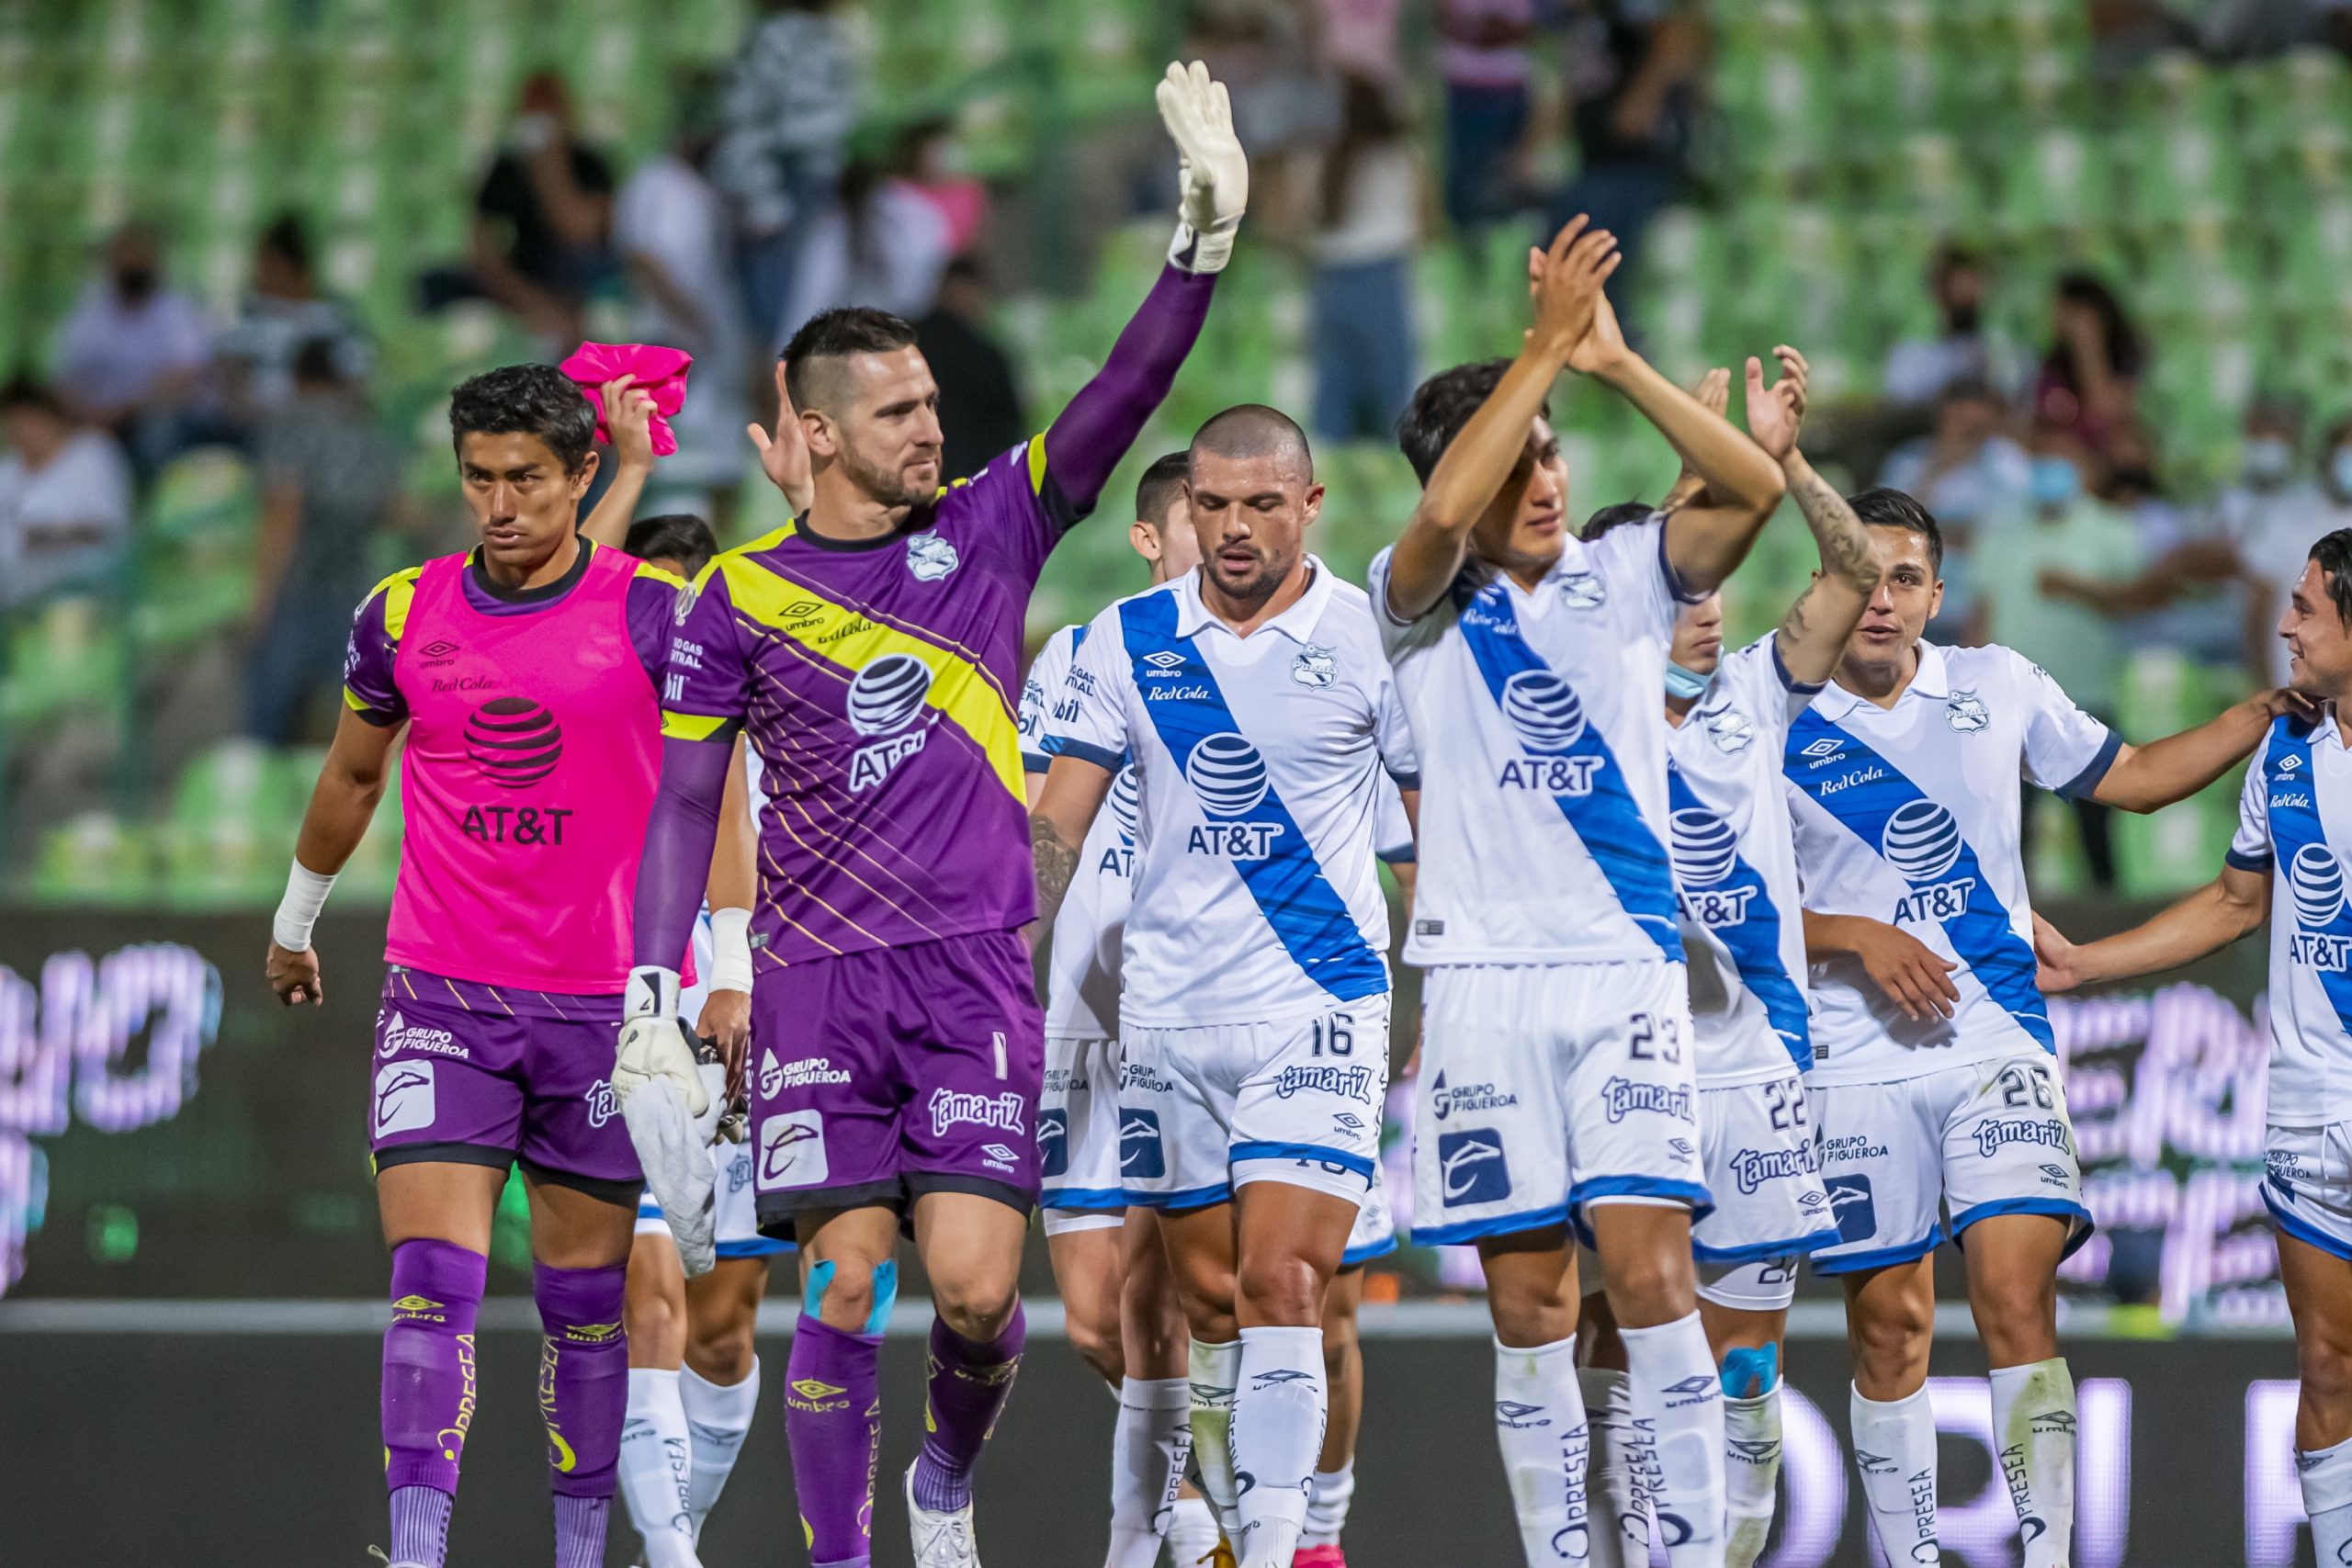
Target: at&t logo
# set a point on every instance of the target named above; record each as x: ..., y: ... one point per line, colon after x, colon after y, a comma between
x: 2315, y: 882
x: 884, y: 699
x: 1545, y: 714
x: 1119, y: 859
x: 1705, y: 854
x: 1922, y: 842
x: 1230, y: 778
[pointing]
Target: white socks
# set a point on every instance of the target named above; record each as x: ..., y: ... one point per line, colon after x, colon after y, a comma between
x: 1540, y: 1427
x: 1279, y: 1410
x: 2034, y: 1429
x: 1894, y: 1449
x: 1147, y: 1466
x: 718, y: 1418
x: 1327, y: 1504
x: 1751, y: 1474
x: 1192, y: 1532
x: 655, y: 1468
x: 2326, y: 1478
x: 1678, y: 1408
x: 1619, y: 1495
x: 1212, y: 1372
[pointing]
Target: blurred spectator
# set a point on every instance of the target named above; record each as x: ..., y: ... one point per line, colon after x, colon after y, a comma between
x: 929, y: 159
x: 1918, y: 369
x: 1368, y: 224
x: 790, y: 103
x: 882, y: 244
x: 64, y: 498
x: 330, y: 481
x: 284, y: 312
x: 133, y: 353
x: 670, y: 229
x: 2274, y: 530
x: 2034, y: 567
x: 541, y: 242
x: 1633, y: 74
x: 2089, y: 382
x: 1966, y: 471
x: 1483, y: 57
x: 979, y: 398
x: 1358, y: 37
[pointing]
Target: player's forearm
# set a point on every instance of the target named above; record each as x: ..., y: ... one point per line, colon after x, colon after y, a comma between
x: 2148, y: 778
x: 608, y: 525
x: 1813, y: 634
x: 1738, y: 472
x: 1054, y: 852
x: 734, y: 856
x: 1104, y: 420
x: 2204, y: 922
x: 1833, y: 936
x: 678, y: 838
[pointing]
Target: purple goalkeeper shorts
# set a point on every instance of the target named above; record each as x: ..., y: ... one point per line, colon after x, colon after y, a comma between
x: 482, y: 1075
x: 876, y: 1076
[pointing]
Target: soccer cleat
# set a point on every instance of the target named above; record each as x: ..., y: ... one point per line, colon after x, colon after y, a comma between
x: 1319, y: 1557
x: 1221, y: 1555
x: 942, y: 1540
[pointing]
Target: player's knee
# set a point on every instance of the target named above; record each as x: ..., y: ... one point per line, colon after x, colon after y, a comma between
x: 1095, y: 1336
x: 978, y: 1306
x: 840, y: 1292
x: 1284, y: 1290
x: 1652, y: 1285
x: 1529, y: 1313
x: 723, y: 1352
x: 2016, y: 1318
x: 1890, y: 1345
x: 2324, y: 1361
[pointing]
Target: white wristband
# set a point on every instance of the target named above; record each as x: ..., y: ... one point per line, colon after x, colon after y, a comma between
x: 1201, y: 253
x: 730, y: 950
x: 306, y: 894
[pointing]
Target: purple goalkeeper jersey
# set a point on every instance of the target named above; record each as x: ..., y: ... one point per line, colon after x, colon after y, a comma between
x: 879, y: 681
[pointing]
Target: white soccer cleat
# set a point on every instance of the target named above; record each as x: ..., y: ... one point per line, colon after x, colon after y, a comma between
x: 942, y: 1540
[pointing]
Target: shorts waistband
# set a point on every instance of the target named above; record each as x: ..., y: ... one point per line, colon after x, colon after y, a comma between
x: 403, y: 983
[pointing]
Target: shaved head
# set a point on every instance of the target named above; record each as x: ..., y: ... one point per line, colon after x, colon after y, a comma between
x: 1253, y: 430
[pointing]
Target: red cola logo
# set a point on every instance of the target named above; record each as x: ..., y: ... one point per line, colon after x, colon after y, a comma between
x: 514, y: 741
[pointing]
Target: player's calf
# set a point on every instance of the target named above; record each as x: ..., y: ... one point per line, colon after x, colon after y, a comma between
x: 1677, y: 1402
x: 428, y: 1391
x: 583, y: 1399
x: 1085, y: 1257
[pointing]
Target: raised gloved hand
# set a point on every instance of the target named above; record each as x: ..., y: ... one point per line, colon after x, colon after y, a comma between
x: 1213, y: 172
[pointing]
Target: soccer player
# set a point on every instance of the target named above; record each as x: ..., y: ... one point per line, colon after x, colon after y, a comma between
x: 525, y: 675
x: 1251, y: 697
x: 1935, y: 1098
x: 1557, y: 1076
x: 1736, y: 882
x: 870, y: 650
x: 1091, y: 1235
x: 2287, y: 863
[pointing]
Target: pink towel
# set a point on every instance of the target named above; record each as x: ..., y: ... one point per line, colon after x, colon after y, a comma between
x: 659, y: 372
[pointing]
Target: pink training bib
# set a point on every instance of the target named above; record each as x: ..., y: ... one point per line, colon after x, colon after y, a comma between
x: 533, y: 751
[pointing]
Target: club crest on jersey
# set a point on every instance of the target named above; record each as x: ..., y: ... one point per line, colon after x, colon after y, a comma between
x: 1546, y: 716
x: 1314, y: 667
x: 685, y: 607
x: 2315, y: 882
x: 1705, y: 853
x: 1964, y: 711
x: 1583, y: 590
x: 1729, y: 729
x: 1922, y: 842
x: 931, y: 557
x: 1230, y: 778
x: 884, y: 698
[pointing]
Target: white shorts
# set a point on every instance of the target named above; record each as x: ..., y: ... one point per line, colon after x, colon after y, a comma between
x: 2307, y: 1185
x: 1911, y: 1162
x: 739, y: 1226
x: 1375, y: 1231
x: 1205, y: 1110
x: 1544, y: 1088
x: 1765, y: 1180
x: 1078, y: 1136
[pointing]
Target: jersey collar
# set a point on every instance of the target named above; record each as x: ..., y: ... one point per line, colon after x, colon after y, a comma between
x: 1297, y: 623
x: 1932, y: 681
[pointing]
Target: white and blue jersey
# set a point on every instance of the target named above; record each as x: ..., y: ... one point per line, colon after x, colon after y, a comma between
x: 1909, y: 815
x: 1082, y: 966
x: 1256, y: 893
x: 1542, y: 739
x: 2295, y: 822
x: 1736, y: 870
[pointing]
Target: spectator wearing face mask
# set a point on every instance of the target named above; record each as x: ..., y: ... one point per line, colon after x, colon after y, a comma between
x: 1966, y: 471
x: 133, y: 351
x: 1963, y: 349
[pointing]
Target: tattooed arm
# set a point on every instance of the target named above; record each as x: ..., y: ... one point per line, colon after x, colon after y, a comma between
x: 1813, y: 634
x: 1074, y: 792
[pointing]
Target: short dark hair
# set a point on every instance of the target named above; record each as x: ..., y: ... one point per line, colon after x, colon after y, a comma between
x: 289, y: 239
x: 1968, y: 390
x: 836, y: 334
x: 2333, y: 553
x: 1252, y: 430
x: 680, y: 537
x: 528, y: 399
x: 1442, y: 406
x: 1885, y: 508
x: 26, y: 390
x: 1161, y: 485
x: 318, y: 363
x: 1616, y: 516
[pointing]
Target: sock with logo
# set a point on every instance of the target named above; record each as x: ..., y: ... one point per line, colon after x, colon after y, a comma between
x: 1678, y: 1440
x: 1192, y: 1533
x: 428, y: 1390
x: 718, y: 1418
x: 832, y: 1425
x: 1212, y: 1372
x: 2034, y: 1429
x: 969, y: 1383
x: 1894, y: 1449
x: 1147, y: 1457
x: 1540, y: 1427
x: 1751, y: 1474
x: 1619, y: 1493
x: 1278, y: 1409
x: 1327, y: 1504
x: 584, y: 1398
x: 656, y: 1468
x: 2325, y: 1475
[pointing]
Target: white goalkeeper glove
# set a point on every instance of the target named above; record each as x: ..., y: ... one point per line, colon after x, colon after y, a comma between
x: 653, y: 1044
x: 1213, y: 172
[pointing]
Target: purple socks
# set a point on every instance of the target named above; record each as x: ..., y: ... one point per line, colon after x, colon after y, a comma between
x: 969, y: 1383
x: 832, y: 1420
x: 428, y: 1390
x: 584, y: 1397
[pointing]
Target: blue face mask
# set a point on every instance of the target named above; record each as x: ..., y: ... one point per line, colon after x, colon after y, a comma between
x: 2339, y: 468
x: 2053, y: 481
x: 1682, y: 683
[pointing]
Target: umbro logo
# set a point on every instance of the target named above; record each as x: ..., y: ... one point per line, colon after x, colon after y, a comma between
x: 803, y: 607
x: 1167, y: 661
x: 1692, y: 1384
x: 1823, y: 747
x: 2286, y: 764
x: 1518, y: 1416
x: 1280, y: 1375
x: 442, y: 647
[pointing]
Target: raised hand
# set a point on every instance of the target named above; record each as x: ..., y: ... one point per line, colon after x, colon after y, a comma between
x: 1213, y: 172
x: 1566, y: 281
x: 628, y: 420
x: 1775, y: 416
x: 1713, y: 391
x: 1602, y: 349
x: 784, y: 455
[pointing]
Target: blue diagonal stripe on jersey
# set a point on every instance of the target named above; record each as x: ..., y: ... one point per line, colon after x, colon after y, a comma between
x: 2294, y: 826
x: 1606, y: 821
x: 1870, y: 790
x: 1754, y: 940
x: 1308, y: 917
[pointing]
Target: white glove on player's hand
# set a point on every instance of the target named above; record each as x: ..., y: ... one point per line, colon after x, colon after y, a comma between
x: 653, y: 1042
x: 1213, y: 171
x: 674, y: 1150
